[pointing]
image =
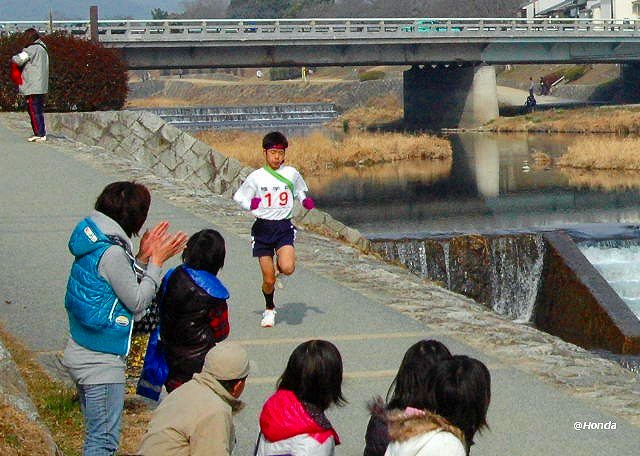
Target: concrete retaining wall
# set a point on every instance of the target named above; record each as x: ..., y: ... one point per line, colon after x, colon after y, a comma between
x: 345, y: 95
x: 170, y: 153
x: 577, y: 304
x: 450, y: 97
x: 549, y: 283
x: 581, y: 92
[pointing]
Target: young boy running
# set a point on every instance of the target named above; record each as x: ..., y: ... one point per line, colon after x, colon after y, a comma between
x: 269, y: 192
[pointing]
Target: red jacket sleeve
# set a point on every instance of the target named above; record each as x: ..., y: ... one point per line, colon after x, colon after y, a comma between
x: 219, y: 320
x: 16, y: 73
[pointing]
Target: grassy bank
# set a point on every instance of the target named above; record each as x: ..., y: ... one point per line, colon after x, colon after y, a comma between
x: 618, y: 120
x: 59, y: 409
x: 377, y: 111
x: 19, y: 435
x: 315, y: 153
x: 603, y: 153
x: 57, y: 405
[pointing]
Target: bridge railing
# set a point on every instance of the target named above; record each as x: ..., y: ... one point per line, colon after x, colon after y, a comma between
x: 114, y: 31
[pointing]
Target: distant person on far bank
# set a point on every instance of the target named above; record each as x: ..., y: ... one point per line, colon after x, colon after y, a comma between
x: 531, y: 103
x: 34, y: 63
x: 532, y: 86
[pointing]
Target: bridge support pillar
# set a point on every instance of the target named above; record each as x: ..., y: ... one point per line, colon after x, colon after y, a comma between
x: 449, y: 96
x: 631, y: 82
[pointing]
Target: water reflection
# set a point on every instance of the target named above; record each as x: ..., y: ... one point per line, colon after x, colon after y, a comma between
x: 491, y: 184
x: 602, y: 179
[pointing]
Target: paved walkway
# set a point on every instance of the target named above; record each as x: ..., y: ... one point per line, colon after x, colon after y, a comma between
x: 517, y: 97
x: 373, y: 312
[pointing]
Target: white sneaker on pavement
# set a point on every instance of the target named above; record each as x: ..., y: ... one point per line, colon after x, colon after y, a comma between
x: 268, y: 318
x: 32, y: 138
x: 37, y: 139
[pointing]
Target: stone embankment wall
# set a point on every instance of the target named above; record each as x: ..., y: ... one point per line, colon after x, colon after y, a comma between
x: 169, y: 152
x: 345, y: 94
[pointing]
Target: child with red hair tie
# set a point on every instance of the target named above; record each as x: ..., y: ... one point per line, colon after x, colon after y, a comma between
x: 268, y: 193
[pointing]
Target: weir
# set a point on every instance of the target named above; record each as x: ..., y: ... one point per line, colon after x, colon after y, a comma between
x: 618, y: 261
x: 227, y: 117
x: 501, y: 272
x: 535, y: 278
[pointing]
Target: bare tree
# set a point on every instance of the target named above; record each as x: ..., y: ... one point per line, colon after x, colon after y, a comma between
x: 204, y: 9
x: 414, y: 8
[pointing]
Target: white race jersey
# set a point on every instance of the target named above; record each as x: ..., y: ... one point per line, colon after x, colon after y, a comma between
x: 276, y: 196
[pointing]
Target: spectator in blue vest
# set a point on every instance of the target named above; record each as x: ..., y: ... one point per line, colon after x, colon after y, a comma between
x: 108, y: 289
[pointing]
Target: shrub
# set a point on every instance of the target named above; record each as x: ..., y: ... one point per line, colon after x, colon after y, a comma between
x: 550, y: 78
x: 574, y: 73
x: 83, y: 76
x: 280, y: 74
x: 371, y: 75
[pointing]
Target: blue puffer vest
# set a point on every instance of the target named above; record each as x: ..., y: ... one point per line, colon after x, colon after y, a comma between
x: 97, y: 319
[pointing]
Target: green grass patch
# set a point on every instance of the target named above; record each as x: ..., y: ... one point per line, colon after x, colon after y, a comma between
x: 13, y: 441
x: 371, y: 75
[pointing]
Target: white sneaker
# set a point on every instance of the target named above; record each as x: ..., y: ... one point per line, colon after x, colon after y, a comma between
x: 32, y: 138
x: 37, y: 139
x: 268, y: 318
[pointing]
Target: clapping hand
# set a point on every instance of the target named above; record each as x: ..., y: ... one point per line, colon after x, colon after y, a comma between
x: 168, y: 246
x: 149, y: 239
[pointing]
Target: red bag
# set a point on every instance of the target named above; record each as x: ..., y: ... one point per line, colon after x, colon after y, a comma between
x: 15, y: 73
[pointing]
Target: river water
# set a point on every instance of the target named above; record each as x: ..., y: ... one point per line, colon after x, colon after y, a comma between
x: 491, y: 184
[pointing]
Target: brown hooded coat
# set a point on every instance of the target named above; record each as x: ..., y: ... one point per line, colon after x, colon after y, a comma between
x: 195, y: 419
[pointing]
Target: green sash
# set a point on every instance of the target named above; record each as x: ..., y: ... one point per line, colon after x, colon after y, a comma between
x: 281, y: 178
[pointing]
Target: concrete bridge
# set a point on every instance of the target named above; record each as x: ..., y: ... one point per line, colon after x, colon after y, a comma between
x: 448, y: 56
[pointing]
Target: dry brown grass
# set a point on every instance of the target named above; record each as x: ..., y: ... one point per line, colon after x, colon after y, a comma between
x: 584, y: 120
x: 602, y: 180
x: 378, y: 111
x: 60, y: 411
x: 19, y: 435
x: 315, y: 153
x: 156, y: 102
x: 541, y: 160
x: 56, y: 404
x: 134, y: 424
x: 603, y: 153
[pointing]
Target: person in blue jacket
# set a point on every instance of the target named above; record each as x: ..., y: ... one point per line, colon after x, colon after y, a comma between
x: 108, y: 289
x: 193, y: 307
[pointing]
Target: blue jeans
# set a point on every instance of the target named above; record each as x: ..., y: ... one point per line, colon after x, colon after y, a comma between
x: 102, y: 410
